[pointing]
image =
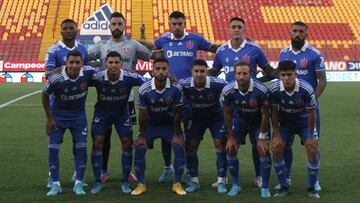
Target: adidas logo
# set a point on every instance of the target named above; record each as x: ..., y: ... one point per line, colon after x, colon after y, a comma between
x: 74, y: 88
x: 98, y: 22
x: 103, y: 14
x: 236, y: 59
x: 291, y: 102
x: 243, y: 102
x: 179, y: 43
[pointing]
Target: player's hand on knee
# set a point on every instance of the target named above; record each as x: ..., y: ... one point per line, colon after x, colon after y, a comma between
x: 177, y: 139
x: 263, y: 147
x: 231, y: 147
x: 140, y: 141
x: 277, y: 145
x: 311, y: 147
x: 50, y: 123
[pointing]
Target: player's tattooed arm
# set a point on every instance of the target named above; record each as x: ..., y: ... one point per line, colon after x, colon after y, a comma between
x: 142, y: 126
x: 50, y: 123
x: 177, y: 126
x: 213, y: 72
x: 263, y: 146
x: 149, y: 45
x: 321, y: 76
x: 270, y: 72
x: 231, y: 146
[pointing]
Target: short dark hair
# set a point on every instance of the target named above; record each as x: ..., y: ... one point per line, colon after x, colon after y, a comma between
x: 177, y: 14
x: 117, y: 15
x: 286, y: 66
x: 200, y: 62
x: 160, y: 59
x: 113, y: 54
x: 74, y: 53
x: 237, y: 19
x: 68, y: 20
x: 300, y: 24
x: 242, y: 63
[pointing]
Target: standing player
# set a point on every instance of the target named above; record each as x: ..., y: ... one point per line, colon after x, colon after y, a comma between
x: 56, y: 57
x: 180, y: 50
x: 130, y: 51
x: 239, y: 49
x: 203, y: 94
x: 246, y: 111
x: 67, y: 111
x: 293, y: 112
x: 309, y: 67
x: 160, y: 105
x: 113, y: 86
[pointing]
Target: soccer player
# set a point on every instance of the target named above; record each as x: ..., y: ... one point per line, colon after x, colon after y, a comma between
x: 240, y: 49
x: 113, y: 86
x: 160, y: 104
x: 203, y: 94
x: 309, y: 67
x: 56, y: 57
x: 180, y: 50
x: 293, y: 112
x: 246, y: 111
x: 67, y: 111
x: 130, y: 51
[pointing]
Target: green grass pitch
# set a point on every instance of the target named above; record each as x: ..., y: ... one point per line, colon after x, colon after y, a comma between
x: 24, y: 171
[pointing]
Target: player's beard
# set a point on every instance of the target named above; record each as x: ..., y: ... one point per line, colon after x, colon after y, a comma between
x: 117, y: 33
x: 297, y: 43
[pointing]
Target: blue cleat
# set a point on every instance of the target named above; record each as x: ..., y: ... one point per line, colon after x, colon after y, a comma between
x: 288, y: 181
x: 125, y: 187
x: 166, y: 174
x: 78, y: 189
x: 97, y: 187
x: 235, y: 189
x: 55, y: 190
x: 221, y: 187
x: 192, y: 187
x: 317, y: 186
x: 187, y: 179
x: 50, y: 182
x: 265, y: 193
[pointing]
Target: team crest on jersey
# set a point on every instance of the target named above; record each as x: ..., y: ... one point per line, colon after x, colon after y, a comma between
x: 252, y: 102
x: 169, y: 100
x: 246, y: 58
x: 83, y: 86
x: 189, y: 44
x: 303, y: 63
x: 126, y: 50
x: 122, y: 90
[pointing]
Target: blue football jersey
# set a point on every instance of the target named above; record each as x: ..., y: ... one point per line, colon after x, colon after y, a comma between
x: 308, y: 61
x: 247, y: 105
x: 56, y: 54
x: 292, y: 106
x: 68, y: 96
x: 112, y: 97
x: 226, y: 57
x: 205, y: 102
x: 160, y: 104
x: 181, y: 53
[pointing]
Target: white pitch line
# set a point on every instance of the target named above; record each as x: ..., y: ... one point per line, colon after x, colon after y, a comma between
x: 19, y: 98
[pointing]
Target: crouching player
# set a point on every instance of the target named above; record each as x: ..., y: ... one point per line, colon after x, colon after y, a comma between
x: 293, y: 112
x: 67, y: 111
x: 160, y: 104
x: 246, y: 111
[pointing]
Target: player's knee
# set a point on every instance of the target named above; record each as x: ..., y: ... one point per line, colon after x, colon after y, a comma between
x: 311, y: 151
x: 278, y: 153
x: 126, y: 143
x: 219, y: 144
x: 98, y: 142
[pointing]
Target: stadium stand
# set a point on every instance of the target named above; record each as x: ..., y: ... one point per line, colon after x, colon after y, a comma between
x: 28, y: 28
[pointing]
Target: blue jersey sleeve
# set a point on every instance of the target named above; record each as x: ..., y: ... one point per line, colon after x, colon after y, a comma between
x: 158, y: 43
x: 309, y: 100
x: 139, y: 80
x: 319, y: 63
x: 179, y: 98
x: 227, y: 98
x: 142, y: 101
x: 217, y: 62
x: 49, y: 88
x: 261, y: 59
x: 273, y: 99
x: 203, y: 44
x: 50, y: 60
